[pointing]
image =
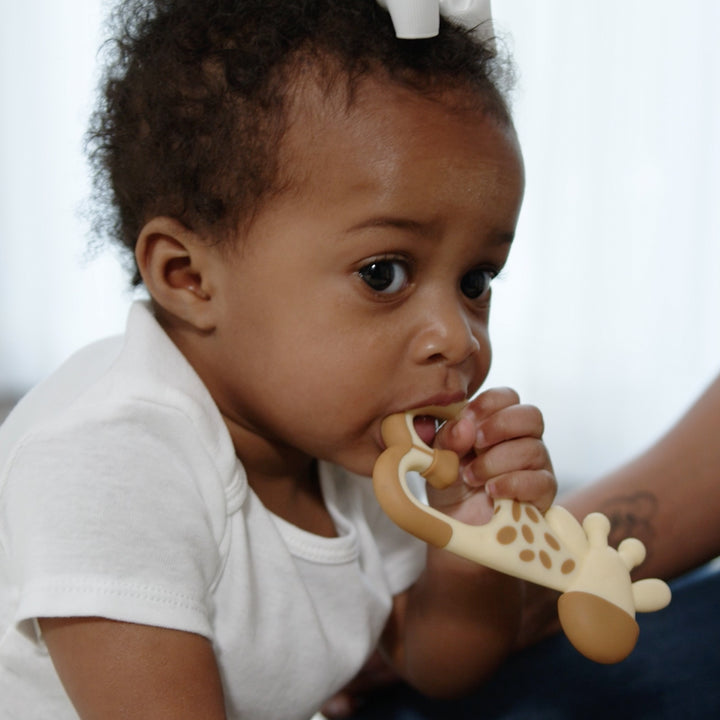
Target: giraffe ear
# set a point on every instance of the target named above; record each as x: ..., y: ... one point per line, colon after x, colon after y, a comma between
x: 650, y: 595
x: 569, y: 529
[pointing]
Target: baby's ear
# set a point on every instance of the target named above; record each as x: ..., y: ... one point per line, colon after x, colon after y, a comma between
x: 173, y: 263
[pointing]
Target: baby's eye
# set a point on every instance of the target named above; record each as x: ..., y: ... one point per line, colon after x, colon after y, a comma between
x: 476, y: 283
x: 385, y: 276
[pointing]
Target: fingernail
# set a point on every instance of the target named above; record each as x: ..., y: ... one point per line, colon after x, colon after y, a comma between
x: 468, y: 476
x: 456, y: 431
x: 479, y: 439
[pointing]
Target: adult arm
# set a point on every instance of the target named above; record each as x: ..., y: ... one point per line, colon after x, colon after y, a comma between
x: 115, y: 670
x: 668, y: 497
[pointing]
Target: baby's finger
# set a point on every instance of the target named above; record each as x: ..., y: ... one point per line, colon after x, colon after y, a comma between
x: 534, y: 486
x: 516, y: 421
x: 524, y: 453
x: 491, y: 401
x: 460, y: 433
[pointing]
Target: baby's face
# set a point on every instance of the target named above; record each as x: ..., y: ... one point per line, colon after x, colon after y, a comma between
x: 363, y: 289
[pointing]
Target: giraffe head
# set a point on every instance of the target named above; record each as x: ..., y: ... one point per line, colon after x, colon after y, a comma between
x: 597, y: 612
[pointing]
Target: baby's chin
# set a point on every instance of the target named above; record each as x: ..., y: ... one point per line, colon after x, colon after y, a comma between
x: 358, y: 462
x: 361, y: 459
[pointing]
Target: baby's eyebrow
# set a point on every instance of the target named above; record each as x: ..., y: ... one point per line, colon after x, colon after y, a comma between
x: 399, y: 223
x: 496, y: 237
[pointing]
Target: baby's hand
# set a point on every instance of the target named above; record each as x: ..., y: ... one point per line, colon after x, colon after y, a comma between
x: 502, y: 455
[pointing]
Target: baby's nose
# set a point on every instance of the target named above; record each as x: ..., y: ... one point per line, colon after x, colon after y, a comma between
x: 447, y: 334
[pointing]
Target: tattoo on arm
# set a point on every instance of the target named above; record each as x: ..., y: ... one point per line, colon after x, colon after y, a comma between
x: 632, y: 516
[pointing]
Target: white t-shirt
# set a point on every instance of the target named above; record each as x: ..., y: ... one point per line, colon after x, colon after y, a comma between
x: 121, y: 497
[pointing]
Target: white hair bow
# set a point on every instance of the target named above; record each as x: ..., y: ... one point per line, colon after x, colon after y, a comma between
x: 415, y: 19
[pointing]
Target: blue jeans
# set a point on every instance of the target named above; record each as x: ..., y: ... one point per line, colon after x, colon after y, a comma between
x: 674, y: 672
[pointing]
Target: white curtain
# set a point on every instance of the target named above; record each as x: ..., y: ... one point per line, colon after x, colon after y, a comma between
x: 53, y: 298
x: 609, y: 318
x: 608, y: 314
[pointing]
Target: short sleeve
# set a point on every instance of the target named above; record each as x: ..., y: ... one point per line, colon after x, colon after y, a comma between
x: 108, y: 519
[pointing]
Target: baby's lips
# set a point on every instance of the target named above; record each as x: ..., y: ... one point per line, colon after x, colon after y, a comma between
x: 433, y: 414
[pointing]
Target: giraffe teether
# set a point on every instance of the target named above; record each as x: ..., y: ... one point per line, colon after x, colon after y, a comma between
x: 599, y: 600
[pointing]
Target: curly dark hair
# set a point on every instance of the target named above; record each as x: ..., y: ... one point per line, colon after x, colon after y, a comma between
x: 194, y: 98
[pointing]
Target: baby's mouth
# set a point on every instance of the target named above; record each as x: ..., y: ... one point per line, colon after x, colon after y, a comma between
x: 426, y: 426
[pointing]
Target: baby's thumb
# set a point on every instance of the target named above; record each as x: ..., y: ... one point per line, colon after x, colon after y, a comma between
x: 457, y: 435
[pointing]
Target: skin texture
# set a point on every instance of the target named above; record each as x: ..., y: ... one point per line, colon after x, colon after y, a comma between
x: 359, y: 291
x: 120, y: 670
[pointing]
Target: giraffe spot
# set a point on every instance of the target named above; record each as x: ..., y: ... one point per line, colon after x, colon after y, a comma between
x: 532, y: 513
x: 528, y: 534
x: 552, y: 542
x: 516, y: 510
x: 545, y: 559
x: 527, y: 555
x: 567, y: 567
x: 506, y: 535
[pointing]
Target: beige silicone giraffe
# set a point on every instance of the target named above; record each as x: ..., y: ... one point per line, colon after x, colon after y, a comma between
x: 598, y: 602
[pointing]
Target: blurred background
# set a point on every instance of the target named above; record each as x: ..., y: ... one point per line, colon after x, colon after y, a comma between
x: 608, y: 314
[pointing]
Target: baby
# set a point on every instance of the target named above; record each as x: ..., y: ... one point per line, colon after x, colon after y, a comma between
x: 316, y: 209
